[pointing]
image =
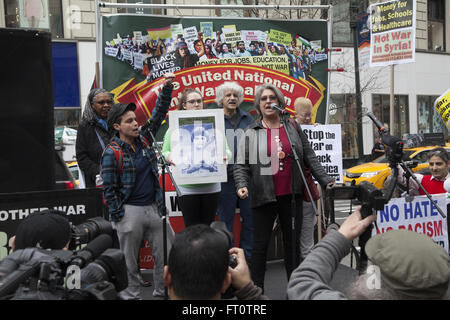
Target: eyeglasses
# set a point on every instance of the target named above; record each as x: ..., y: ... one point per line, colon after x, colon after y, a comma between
x: 265, y: 98
x: 305, y: 115
x: 104, y: 102
x: 198, y: 101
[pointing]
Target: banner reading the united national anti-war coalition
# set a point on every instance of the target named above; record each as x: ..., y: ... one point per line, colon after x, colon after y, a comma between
x: 205, y: 52
x: 392, y: 26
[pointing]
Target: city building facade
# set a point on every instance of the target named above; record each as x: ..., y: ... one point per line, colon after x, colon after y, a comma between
x: 416, y: 85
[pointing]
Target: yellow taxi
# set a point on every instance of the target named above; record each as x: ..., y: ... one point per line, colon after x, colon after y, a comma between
x: 378, y: 170
x: 73, y: 168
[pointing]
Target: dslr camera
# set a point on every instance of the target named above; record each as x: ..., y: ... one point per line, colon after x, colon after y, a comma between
x: 96, y: 272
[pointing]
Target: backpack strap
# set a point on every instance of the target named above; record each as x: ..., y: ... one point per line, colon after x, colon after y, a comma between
x: 118, y: 154
x: 145, y: 141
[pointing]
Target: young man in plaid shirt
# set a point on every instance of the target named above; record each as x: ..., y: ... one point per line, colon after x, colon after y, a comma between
x: 131, y: 187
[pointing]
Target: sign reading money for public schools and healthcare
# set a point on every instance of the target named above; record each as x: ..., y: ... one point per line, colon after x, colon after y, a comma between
x: 205, y: 52
x: 393, y: 30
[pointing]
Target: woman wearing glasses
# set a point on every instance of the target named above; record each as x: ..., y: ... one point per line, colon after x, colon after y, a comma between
x: 93, y: 134
x: 198, y: 202
x: 273, y: 183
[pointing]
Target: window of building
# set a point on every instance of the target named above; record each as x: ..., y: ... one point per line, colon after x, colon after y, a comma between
x: 381, y: 110
x: 436, y: 25
x: 35, y: 14
x: 342, y: 34
x: 346, y: 116
x: 67, y: 117
x: 429, y: 121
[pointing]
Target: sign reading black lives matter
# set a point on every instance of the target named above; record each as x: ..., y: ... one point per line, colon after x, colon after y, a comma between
x: 392, y: 26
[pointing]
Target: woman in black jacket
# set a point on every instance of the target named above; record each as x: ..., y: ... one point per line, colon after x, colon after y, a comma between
x: 93, y: 134
x: 273, y: 177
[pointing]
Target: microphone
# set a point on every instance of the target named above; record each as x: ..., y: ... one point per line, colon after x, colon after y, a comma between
x: 92, y: 250
x: 381, y: 128
x: 274, y: 106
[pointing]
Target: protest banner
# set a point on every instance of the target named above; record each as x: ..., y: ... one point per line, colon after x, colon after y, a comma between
x: 393, y: 32
x: 442, y: 106
x: 326, y: 142
x: 419, y: 216
x: 363, y: 40
x: 298, y: 71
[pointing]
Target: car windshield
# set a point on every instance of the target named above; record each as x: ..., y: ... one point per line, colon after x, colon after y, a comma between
x: 406, y: 156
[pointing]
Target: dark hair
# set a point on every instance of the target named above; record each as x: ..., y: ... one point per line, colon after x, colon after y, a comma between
x: 48, y: 229
x: 438, y: 152
x: 198, y: 262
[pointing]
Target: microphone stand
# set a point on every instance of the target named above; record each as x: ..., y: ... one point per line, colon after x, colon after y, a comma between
x: 164, y: 164
x: 408, y: 172
x: 284, y: 116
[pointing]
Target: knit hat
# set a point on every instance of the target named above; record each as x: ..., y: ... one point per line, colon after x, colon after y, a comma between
x: 49, y: 228
x: 410, y: 263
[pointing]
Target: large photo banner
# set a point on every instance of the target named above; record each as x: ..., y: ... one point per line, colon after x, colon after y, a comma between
x: 205, y: 52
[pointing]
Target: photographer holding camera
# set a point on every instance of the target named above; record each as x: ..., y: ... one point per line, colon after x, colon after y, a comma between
x: 202, y: 267
x: 48, y: 229
x: 41, y: 262
x: 411, y: 266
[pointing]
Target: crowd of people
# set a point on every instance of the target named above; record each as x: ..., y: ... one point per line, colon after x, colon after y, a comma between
x: 112, y: 146
x: 301, y: 56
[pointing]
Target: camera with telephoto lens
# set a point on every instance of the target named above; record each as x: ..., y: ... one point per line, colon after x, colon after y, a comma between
x: 96, y: 272
x: 88, y: 230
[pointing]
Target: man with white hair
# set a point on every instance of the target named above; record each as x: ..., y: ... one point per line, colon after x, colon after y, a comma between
x: 229, y: 96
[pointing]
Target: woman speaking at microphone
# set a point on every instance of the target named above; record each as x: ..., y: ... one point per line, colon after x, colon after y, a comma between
x: 273, y: 184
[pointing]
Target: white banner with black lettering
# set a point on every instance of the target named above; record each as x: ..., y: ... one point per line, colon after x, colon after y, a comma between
x: 326, y: 142
x: 419, y: 215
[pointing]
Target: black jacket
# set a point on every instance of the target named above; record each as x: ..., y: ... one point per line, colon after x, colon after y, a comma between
x: 247, y: 171
x: 88, y: 148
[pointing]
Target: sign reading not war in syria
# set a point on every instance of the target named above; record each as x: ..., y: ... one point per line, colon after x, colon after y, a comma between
x: 205, y: 52
x: 393, y: 32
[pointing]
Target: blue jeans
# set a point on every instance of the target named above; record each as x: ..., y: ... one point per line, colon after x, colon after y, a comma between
x: 227, y: 209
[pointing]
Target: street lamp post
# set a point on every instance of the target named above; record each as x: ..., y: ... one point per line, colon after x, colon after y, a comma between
x: 354, y: 10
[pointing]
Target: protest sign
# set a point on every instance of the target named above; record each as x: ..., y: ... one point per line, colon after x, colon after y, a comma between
x: 419, y: 215
x: 207, y: 29
x: 442, y: 106
x: 393, y: 30
x: 280, y: 37
x: 326, y: 142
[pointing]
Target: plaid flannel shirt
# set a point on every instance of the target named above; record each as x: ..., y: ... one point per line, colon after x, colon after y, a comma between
x: 118, y: 189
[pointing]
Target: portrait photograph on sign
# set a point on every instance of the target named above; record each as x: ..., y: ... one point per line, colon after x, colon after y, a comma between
x: 198, y: 146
